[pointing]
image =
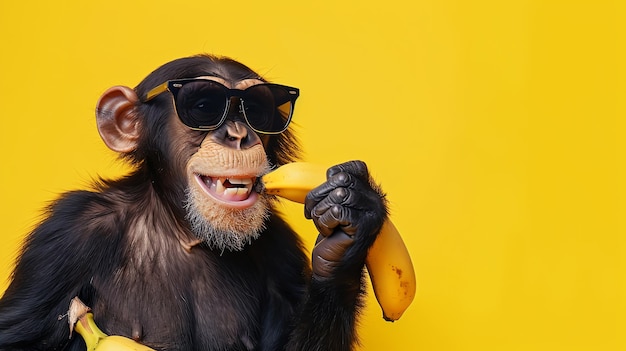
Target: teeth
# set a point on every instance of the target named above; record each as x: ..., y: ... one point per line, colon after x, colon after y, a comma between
x: 237, y: 188
x: 242, y: 181
x: 221, y: 189
x: 219, y: 186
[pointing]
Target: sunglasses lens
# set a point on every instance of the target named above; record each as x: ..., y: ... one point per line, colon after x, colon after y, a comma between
x: 268, y: 107
x: 201, y: 104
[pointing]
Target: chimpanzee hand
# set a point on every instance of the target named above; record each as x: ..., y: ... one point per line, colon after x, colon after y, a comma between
x: 348, y: 211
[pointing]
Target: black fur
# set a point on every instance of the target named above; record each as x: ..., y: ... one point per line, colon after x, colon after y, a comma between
x: 118, y: 248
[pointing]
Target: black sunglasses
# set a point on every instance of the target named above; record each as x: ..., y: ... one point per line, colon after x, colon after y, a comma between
x: 203, y: 104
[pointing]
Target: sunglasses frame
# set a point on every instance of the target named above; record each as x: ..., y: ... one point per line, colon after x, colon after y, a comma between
x: 174, y: 86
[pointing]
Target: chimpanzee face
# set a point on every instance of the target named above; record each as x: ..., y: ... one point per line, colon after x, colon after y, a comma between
x: 222, y: 206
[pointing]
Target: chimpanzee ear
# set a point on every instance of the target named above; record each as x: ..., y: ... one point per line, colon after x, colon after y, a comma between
x: 117, y: 119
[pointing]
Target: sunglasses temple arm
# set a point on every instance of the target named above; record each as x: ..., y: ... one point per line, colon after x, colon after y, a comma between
x: 156, y: 91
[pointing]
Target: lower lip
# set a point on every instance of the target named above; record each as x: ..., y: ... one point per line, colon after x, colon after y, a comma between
x: 251, y: 200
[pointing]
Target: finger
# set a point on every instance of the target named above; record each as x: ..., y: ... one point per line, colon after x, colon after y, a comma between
x: 333, y: 247
x: 339, y: 195
x: 320, y: 208
x: 323, y: 268
x: 315, y: 197
x: 356, y: 197
x: 356, y: 168
x: 348, y: 197
x: 340, y: 180
x: 328, y: 253
x: 329, y: 220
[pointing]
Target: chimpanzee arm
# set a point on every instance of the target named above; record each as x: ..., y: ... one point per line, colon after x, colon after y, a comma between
x: 348, y: 210
x: 55, y: 265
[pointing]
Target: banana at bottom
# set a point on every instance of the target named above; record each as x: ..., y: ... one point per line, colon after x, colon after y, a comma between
x: 388, y: 261
x: 96, y: 339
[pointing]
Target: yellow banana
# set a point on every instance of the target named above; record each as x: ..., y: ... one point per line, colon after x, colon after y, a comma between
x: 391, y: 271
x: 95, y: 339
x: 388, y: 261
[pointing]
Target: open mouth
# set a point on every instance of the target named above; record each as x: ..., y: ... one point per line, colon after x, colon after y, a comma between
x: 234, y: 191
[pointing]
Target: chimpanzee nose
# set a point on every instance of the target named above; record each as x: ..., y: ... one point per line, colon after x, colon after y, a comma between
x: 235, y: 135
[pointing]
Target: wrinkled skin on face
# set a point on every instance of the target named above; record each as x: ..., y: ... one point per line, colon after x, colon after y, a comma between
x: 223, y: 207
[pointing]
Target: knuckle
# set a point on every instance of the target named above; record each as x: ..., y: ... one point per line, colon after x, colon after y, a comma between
x: 339, y: 195
x: 337, y: 211
x: 342, y: 179
x: 359, y: 165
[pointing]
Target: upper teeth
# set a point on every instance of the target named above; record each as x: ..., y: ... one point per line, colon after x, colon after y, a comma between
x: 242, y: 181
x: 221, y: 189
x: 238, y: 189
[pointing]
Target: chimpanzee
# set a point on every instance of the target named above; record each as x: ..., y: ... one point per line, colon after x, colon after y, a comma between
x: 187, y: 252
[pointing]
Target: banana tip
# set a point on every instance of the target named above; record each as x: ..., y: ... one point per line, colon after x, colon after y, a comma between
x: 394, y: 316
x: 259, y: 187
x: 388, y: 319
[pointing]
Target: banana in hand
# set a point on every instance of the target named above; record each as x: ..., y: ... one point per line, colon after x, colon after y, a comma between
x: 388, y: 261
x: 81, y: 320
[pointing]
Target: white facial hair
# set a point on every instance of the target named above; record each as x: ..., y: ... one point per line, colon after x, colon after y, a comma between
x: 223, y: 228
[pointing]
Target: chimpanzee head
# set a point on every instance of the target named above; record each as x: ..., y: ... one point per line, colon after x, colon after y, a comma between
x: 202, y: 130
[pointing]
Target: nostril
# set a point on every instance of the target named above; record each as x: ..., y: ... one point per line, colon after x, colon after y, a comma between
x: 236, y: 130
x: 235, y: 134
x: 231, y: 137
x: 240, y: 135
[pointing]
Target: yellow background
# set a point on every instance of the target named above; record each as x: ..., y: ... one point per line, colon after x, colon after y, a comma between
x: 496, y: 128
